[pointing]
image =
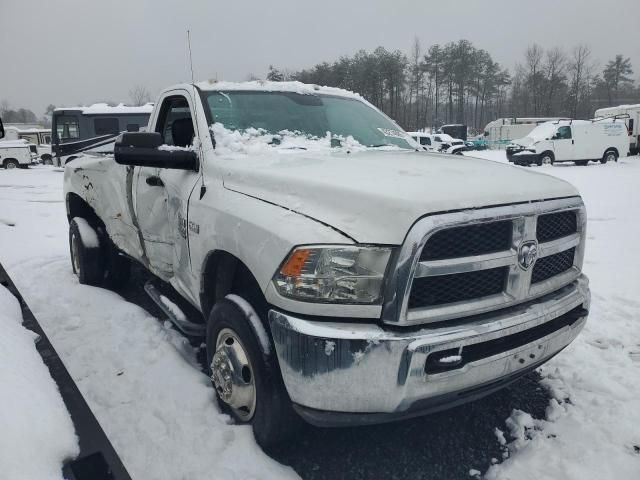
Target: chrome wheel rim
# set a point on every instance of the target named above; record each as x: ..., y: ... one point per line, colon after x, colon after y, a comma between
x: 233, y: 375
x: 74, y: 255
x: 10, y: 165
x: 546, y: 160
x: 610, y: 158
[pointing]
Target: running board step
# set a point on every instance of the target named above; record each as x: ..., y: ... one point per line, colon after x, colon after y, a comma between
x: 174, y: 312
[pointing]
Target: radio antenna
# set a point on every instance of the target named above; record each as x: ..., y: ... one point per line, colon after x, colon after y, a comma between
x: 203, y: 188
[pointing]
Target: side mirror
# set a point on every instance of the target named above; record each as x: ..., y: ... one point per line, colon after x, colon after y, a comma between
x: 140, y: 149
x: 1, y: 129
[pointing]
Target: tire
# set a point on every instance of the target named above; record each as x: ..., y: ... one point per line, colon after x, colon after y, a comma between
x: 87, y: 261
x: 582, y: 163
x: 11, y: 163
x: 609, y: 156
x: 268, y: 410
x: 546, y: 158
x: 47, y: 160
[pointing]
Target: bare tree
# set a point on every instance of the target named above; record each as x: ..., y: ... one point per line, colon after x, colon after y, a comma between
x: 139, y: 95
x: 580, y: 78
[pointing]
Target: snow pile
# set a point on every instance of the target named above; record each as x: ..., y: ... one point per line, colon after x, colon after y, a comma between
x: 36, y: 431
x: 253, y: 141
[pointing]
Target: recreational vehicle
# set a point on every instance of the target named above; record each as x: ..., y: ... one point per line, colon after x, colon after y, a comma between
x: 503, y: 131
x: 79, y: 129
x: 630, y: 114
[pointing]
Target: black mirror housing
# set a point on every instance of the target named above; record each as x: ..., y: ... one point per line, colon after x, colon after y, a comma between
x: 1, y: 129
x: 140, y: 149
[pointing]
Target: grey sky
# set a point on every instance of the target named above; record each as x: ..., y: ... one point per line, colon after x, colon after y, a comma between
x: 80, y: 51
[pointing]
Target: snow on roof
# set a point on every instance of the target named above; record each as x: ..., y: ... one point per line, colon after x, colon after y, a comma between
x: 29, y: 130
x: 266, y: 86
x: 106, y: 109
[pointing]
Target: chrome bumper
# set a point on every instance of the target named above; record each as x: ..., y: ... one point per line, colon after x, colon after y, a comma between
x: 358, y: 368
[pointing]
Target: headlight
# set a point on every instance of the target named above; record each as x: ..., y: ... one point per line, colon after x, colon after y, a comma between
x: 334, y: 274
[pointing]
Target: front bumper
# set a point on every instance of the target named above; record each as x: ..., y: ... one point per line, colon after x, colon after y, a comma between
x: 354, y: 373
x: 525, y: 158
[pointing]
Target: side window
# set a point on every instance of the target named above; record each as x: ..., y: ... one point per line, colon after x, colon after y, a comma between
x: 106, y: 126
x: 564, y: 133
x: 175, y: 123
x: 437, y: 139
x: 425, y: 141
x: 631, y: 126
x: 47, y: 140
x: 133, y: 127
x: 67, y: 127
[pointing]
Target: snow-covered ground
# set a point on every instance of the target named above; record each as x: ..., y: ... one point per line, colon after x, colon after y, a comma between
x: 144, y: 385
x: 36, y: 431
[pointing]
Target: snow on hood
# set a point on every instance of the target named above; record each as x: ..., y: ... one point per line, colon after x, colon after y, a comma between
x: 373, y: 195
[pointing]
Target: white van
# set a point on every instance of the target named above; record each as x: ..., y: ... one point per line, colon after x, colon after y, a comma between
x: 630, y: 114
x: 16, y: 153
x: 578, y: 141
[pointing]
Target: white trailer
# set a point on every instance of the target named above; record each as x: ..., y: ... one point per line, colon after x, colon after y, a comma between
x: 630, y: 114
x: 579, y: 141
x: 503, y: 131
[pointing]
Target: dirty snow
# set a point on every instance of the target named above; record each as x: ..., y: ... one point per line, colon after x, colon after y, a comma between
x: 36, y: 431
x: 142, y: 381
x: 267, y: 86
x: 173, y: 308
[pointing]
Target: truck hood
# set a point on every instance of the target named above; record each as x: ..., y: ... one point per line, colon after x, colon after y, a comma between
x: 376, y: 196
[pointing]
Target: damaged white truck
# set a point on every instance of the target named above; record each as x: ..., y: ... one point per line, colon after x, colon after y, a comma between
x: 339, y: 274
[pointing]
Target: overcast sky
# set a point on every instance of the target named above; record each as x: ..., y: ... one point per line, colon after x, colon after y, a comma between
x: 70, y: 52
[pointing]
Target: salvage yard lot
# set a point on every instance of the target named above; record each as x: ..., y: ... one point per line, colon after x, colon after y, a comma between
x: 142, y: 379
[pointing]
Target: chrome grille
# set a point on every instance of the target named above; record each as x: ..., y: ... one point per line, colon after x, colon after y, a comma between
x: 431, y: 283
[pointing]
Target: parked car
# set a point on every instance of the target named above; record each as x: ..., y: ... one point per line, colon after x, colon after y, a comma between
x: 343, y: 278
x: 16, y: 153
x: 439, y: 142
x: 578, y: 141
x: 630, y: 114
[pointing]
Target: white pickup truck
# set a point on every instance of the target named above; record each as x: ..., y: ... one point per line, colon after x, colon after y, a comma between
x: 338, y: 274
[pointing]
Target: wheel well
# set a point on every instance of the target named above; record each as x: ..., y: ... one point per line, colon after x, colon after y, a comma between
x: 223, y: 274
x: 77, y: 207
x: 8, y: 159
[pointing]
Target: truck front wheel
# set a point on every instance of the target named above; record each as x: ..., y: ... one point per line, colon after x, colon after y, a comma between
x: 246, y: 378
x: 86, y: 257
x: 545, y: 158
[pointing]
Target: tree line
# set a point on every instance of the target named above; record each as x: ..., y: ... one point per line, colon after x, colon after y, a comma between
x: 460, y: 83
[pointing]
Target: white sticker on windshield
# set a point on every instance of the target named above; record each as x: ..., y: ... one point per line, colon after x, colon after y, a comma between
x: 388, y: 132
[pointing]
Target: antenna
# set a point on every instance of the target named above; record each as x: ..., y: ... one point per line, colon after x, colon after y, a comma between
x: 203, y: 188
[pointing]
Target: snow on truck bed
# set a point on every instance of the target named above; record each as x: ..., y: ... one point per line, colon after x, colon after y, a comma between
x: 142, y: 381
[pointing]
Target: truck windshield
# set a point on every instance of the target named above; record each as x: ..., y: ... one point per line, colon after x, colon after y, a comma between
x: 312, y: 115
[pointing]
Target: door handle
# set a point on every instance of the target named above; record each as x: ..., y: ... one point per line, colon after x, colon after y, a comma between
x: 154, y: 181
x: 573, y: 142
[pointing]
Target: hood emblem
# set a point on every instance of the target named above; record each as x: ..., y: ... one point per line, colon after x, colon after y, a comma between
x: 527, y: 254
